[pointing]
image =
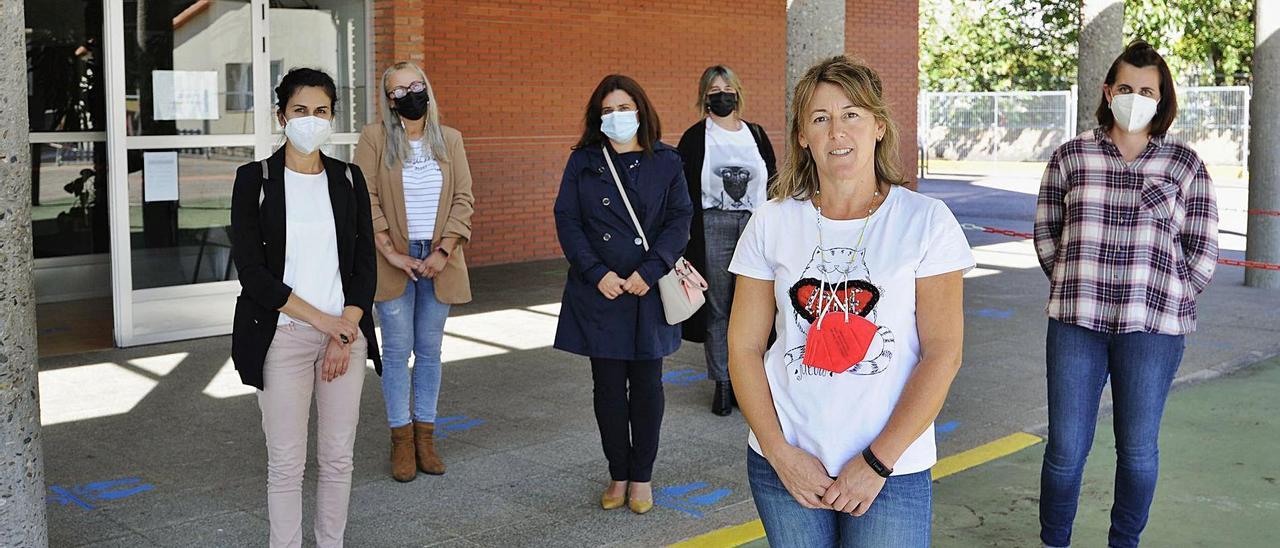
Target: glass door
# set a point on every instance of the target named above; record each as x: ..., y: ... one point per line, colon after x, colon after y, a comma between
x: 66, y: 112
x: 190, y: 98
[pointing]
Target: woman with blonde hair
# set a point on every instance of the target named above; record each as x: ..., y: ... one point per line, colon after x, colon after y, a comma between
x: 420, y: 194
x: 862, y: 279
x: 728, y: 164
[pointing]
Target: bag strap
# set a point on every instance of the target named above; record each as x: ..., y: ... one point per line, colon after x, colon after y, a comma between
x: 625, y: 200
x: 262, y: 191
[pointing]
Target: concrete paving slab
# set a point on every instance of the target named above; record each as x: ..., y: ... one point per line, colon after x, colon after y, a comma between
x: 531, y: 472
x: 1218, y: 477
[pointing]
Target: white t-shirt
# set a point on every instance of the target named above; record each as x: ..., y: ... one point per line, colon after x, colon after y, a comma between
x: 836, y: 416
x: 423, y: 182
x: 734, y: 177
x: 310, y: 254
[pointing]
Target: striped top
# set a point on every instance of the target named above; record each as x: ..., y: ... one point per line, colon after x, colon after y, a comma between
x: 423, y: 182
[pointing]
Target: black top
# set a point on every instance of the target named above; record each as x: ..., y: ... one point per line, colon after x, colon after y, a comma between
x: 258, y: 244
x: 693, y: 149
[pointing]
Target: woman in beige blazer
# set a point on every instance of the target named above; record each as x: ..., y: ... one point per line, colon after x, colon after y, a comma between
x: 420, y: 194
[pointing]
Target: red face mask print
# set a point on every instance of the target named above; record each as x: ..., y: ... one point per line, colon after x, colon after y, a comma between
x: 838, y: 341
x: 839, y: 333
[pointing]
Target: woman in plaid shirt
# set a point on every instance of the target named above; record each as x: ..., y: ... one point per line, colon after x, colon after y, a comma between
x: 1126, y: 229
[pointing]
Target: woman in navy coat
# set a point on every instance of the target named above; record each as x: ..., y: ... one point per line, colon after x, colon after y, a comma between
x: 611, y: 311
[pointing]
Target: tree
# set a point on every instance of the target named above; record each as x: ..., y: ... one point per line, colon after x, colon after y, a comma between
x: 1206, y: 42
x: 998, y: 45
x: 968, y: 45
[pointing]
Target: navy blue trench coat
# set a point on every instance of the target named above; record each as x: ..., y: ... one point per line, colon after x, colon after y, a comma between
x: 597, y: 237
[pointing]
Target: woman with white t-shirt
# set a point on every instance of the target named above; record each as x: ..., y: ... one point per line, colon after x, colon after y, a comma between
x: 302, y: 242
x: 862, y: 279
x: 728, y: 163
x: 420, y: 192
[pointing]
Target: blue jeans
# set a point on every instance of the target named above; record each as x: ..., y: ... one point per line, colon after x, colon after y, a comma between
x: 412, y: 322
x: 1141, y: 367
x: 900, y: 516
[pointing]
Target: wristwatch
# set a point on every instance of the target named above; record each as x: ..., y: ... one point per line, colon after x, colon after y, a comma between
x: 443, y: 252
x: 876, y: 466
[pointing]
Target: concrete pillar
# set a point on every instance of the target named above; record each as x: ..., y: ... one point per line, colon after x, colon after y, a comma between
x: 1263, y: 244
x: 22, y: 506
x: 1101, y: 41
x: 815, y: 31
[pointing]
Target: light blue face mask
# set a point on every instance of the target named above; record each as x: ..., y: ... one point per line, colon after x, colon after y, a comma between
x: 620, y: 126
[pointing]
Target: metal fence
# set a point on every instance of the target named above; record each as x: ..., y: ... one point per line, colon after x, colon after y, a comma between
x: 1026, y: 126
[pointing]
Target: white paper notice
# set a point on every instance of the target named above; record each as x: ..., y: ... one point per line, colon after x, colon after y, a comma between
x: 185, y: 94
x: 160, y: 176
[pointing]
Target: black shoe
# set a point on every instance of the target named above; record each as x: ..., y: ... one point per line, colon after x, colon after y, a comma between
x: 722, y: 405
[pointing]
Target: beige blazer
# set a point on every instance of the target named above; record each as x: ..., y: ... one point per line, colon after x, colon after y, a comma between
x: 386, y: 197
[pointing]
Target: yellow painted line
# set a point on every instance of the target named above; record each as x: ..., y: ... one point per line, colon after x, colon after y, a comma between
x: 729, y: 536
x: 965, y: 460
x: 959, y: 462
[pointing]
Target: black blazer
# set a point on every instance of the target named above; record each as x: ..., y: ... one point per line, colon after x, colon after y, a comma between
x: 257, y: 247
x: 693, y: 149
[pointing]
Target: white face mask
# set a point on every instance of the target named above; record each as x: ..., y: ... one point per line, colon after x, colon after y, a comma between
x: 308, y: 133
x: 620, y: 126
x: 1132, y: 111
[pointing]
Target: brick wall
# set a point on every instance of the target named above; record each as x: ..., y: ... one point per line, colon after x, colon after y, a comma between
x: 514, y: 77
x: 885, y: 34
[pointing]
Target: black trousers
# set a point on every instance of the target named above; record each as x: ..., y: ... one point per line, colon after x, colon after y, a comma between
x: 629, y: 417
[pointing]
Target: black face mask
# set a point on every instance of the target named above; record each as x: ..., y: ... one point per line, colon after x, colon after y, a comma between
x: 413, y: 105
x: 722, y: 103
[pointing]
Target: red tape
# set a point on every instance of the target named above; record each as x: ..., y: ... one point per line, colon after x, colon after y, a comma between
x: 1249, y: 264
x: 1228, y: 262
x: 1263, y: 212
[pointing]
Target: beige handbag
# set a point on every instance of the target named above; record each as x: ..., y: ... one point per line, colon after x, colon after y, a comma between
x: 681, y: 289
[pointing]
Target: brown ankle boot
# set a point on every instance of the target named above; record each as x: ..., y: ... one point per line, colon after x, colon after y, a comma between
x: 402, y: 454
x: 423, y: 438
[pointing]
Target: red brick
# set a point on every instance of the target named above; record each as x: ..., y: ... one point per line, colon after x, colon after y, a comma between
x: 514, y: 76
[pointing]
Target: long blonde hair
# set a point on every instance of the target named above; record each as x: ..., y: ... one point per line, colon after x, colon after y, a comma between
x: 799, y: 175
x: 397, y: 141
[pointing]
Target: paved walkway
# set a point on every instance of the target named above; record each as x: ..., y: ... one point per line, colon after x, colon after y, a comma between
x: 161, y: 445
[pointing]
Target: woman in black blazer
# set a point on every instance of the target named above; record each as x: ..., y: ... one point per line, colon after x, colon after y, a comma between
x: 729, y: 165
x: 302, y: 242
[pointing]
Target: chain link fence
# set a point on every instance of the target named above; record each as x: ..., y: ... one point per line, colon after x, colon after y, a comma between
x: 1026, y: 126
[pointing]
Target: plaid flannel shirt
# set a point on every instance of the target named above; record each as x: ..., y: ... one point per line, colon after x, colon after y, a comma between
x: 1127, y: 247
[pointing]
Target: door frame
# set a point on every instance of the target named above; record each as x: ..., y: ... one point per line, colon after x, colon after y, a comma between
x: 132, y: 326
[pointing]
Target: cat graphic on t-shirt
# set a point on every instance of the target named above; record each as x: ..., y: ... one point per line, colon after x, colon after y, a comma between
x: 848, y: 282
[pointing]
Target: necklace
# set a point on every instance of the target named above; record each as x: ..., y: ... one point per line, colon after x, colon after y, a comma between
x: 871, y: 204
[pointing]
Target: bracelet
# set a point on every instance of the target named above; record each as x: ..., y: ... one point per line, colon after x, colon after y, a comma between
x: 443, y: 252
x: 876, y: 466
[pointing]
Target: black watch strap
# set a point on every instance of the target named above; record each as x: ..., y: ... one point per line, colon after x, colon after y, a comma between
x: 876, y: 466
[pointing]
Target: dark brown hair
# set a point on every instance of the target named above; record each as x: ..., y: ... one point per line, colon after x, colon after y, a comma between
x: 1140, y: 54
x: 303, y: 78
x: 650, y: 129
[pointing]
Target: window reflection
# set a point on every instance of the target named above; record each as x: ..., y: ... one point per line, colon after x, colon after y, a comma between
x: 64, y: 65
x: 326, y: 35
x: 68, y: 199
x: 184, y: 238
x: 177, y: 57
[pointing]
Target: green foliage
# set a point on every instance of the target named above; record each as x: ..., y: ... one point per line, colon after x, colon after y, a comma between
x: 1205, y: 41
x: 998, y: 45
